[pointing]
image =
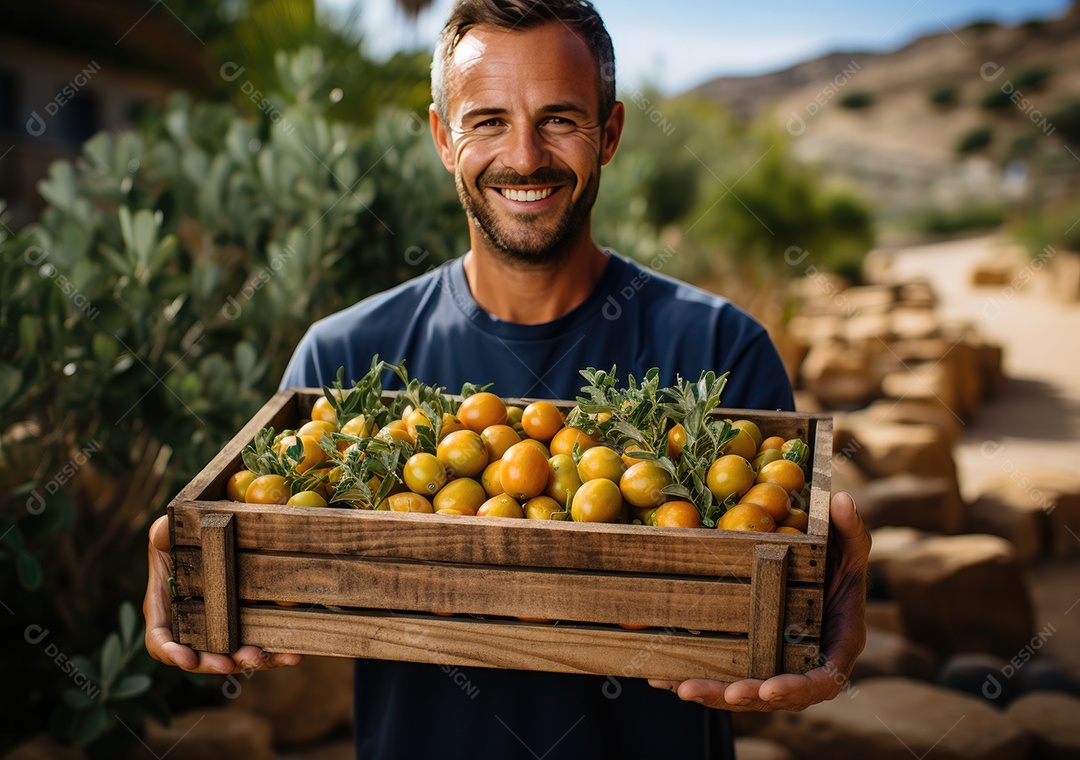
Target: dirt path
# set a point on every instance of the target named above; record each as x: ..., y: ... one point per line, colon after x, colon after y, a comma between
x: 1035, y: 421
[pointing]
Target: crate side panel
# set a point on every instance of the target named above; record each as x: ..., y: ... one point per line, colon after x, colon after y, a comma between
x: 711, y: 605
x: 500, y: 541
x: 522, y: 646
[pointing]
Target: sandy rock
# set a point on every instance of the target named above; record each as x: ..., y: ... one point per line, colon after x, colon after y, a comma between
x: 888, y: 653
x: 807, y: 402
x: 992, y: 272
x: 897, y: 719
x: 979, y: 675
x: 885, y: 615
x: 869, y: 299
x: 918, y: 322
x: 209, y: 734
x: 1023, y: 524
x: 892, y: 542
x: 811, y: 329
x: 306, y: 703
x: 42, y: 748
x: 917, y: 293
x: 1052, y: 720
x: 960, y: 593
x: 752, y: 748
x: 1056, y: 493
x: 869, y: 331
x: 818, y: 293
x: 877, y: 267
x: 991, y: 361
x: 1059, y: 277
x: 838, y: 375
x: 884, y: 449
x: 913, y: 501
x: 923, y: 381
x: 912, y: 412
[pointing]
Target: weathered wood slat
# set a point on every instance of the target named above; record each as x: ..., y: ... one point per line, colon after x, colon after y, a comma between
x: 219, y: 582
x: 278, y: 413
x: 767, y: 612
x: 708, y: 605
x: 468, y: 642
x: 500, y: 541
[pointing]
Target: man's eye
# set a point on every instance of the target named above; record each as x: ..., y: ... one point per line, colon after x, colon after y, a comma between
x: 559, y: 124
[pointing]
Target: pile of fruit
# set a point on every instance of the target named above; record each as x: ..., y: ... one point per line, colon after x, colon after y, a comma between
x: 640, y: 454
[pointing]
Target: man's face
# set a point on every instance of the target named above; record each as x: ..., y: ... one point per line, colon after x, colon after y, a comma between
x: 523, y: 138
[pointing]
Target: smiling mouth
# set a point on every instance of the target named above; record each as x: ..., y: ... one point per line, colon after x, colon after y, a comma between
x: 526, y: 196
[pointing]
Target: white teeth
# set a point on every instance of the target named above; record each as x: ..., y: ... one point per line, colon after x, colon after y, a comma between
x: 526, y: 195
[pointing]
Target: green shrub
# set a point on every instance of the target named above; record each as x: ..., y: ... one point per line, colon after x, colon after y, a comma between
x: 974, y: 139
x: 856, y: 100
x: 146, y: 316
x: 1032, y: 79
x: 944, y: 96
x: 937, y: 221
x: 1066, y: 122
x: 996, y: 99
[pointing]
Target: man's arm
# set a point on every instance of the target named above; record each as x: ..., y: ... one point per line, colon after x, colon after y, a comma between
x: 158, y: 613
x: 844, y: 632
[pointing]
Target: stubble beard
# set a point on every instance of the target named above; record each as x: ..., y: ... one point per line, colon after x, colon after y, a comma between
x: 518, y: 240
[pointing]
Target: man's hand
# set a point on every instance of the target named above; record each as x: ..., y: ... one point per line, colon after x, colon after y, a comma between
x: 158, y: 614
x: 844, y: 628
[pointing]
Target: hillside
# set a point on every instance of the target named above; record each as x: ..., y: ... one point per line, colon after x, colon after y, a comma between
x: 900, y: 149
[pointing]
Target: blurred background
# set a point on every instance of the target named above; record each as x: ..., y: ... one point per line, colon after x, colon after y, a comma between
x: 186, y: 185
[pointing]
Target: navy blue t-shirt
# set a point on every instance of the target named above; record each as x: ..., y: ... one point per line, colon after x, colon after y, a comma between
x: 634, y: 319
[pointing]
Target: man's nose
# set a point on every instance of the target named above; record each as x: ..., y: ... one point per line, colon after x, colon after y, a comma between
x: 528, y: 151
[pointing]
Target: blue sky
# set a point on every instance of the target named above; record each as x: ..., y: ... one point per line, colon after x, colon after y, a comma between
x: 680, y: 43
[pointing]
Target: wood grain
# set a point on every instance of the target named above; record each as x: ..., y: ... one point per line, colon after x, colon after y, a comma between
x: 769, y: 597
x: 696, y: 604
x: 500, y: 541
x: 219, y: 581
x: 660, y: 654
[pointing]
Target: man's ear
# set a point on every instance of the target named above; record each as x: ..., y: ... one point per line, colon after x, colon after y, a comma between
x: 612, y: 132
x: 440, y: 133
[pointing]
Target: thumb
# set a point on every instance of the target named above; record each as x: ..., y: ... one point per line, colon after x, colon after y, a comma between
x: 159, y: 534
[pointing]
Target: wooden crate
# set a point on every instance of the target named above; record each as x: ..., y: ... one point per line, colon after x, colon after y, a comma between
x: 719, y: 604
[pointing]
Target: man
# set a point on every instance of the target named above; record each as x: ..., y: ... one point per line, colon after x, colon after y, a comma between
x: 524, y: 117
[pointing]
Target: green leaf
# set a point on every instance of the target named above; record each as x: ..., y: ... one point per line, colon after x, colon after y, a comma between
x: 77, y: 699
x: 89, y: 726
x: 29, y: 324
x: 246, y: 358
x: 163, y: 252
x: 10, y: 380
x: 59, y: 189
x: 144, y: 233
x: 115, y: 259
x: 127, y: 624
x: 29, y: 570
x: 105, y: 349
x: 110, y: 658
x: 84, y: 666
x: 131, y: 686
x: 126, y: 230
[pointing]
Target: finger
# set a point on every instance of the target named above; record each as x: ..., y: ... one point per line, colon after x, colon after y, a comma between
x: 284, y: 660
x: 740, y: 696
x: 847, y: 526
x: 791, y: 691
x: 665, y: 685
x: 159, y: 534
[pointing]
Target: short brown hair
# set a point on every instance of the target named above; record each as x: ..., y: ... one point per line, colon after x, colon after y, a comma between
x: 578, y: 15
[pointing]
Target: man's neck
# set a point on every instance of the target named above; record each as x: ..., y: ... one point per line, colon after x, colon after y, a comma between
x: 533, y: 295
